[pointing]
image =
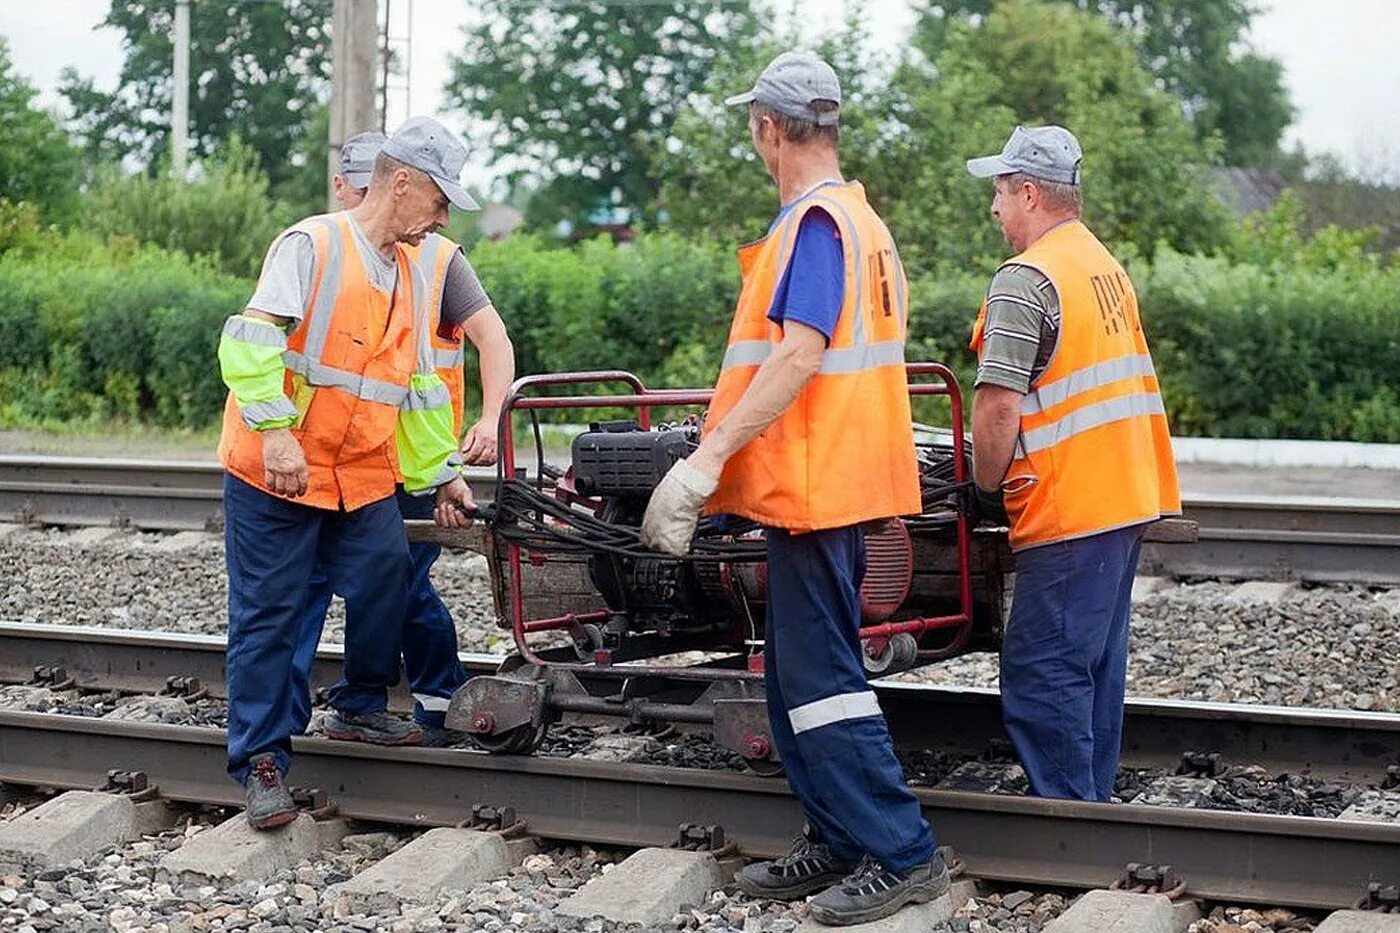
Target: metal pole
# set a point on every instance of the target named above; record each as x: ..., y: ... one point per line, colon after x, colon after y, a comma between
x: 384, y: 78
x: 180, y: 115
x: 354, y: 29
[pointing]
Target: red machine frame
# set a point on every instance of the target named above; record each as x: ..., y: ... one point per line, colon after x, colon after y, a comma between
x: 644, y: 400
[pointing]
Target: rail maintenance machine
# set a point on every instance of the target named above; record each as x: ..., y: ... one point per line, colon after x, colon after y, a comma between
x: 604, y: 625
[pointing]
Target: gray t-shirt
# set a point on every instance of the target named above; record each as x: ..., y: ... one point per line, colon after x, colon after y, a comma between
x: 290, y: 269
x: 1021, y: 329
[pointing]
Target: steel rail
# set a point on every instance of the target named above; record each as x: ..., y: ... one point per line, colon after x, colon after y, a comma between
x: 1317, y: 540
x: 1234, y: 857
x: 1335, y: 744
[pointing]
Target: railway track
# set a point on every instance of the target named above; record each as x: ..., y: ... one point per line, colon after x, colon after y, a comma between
x: 1226, y: 856
x: 1240, y: 537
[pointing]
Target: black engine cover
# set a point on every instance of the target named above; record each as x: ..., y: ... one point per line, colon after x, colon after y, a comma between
x: 618, y: 459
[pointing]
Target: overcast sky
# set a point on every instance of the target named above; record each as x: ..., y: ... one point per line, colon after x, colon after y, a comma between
x: 1341, y: 59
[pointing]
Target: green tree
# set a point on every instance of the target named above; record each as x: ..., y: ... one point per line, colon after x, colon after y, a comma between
x: 257, y: 71
x: 581, y: 95
x: 907, y: 138
x: 38, y: 164
x: 225, y: 214
x: 1197, y: 48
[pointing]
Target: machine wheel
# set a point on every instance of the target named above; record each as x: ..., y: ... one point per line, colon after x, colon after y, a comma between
x: 592, y: 641
x: 906, y: 651
x: 881, y: 661
x: 522, y: 740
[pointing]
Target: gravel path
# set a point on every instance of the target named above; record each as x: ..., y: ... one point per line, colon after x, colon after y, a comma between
x: 1328, y: 646
x: 1331, y: 647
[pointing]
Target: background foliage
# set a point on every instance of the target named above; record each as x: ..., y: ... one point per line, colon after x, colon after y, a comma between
x: 1283, y: 324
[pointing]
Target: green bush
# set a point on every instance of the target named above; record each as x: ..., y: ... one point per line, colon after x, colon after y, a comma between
x: 225, y: 214
x: 1282, y: 337
x: 95, y: 332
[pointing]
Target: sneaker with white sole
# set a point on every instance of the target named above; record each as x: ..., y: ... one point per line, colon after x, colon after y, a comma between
x: 873, y: 892
x: 808, y: 867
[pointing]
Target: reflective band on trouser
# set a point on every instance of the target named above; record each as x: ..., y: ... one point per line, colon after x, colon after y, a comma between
x: 431, y: 703
x: 261, y: 333
x: 1091, y: 377
x: 318, y: 374
x: 1092, y: 416
x: 831, y: 710
x: 446, y: 359
x: 259, y: 413
x: 842, y: 360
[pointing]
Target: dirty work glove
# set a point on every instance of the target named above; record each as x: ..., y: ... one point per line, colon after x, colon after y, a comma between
x: 991, y: 508
x: 674, y: 510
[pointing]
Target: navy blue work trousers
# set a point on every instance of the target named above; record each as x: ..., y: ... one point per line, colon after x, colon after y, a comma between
x: 826, y: 722
x: 272, y: 546
x: 429, y: 635
x: 1064, y: 662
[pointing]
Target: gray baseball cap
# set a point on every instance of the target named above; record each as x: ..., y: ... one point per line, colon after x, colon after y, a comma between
x: 427, y: 145
x: 790, y: 84
x: 357, y: 155
x: 1048, y: 152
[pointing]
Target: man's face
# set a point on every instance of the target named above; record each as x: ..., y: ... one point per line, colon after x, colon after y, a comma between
x: 347, y: 194
x: 1011, y: 206
x: 420, y: 207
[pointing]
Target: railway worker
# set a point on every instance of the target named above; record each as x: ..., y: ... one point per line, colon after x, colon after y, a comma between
x: 810, y: 435
x: 321, y: 371
x: 459, y: 307
x: 1071, y: 450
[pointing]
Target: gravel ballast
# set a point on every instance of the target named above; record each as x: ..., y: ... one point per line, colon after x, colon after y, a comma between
x: 1327, y: 646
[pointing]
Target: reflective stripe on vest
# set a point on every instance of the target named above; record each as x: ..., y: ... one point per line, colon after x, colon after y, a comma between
x: 263, y: 334
x: 844, y: 360
x: 323, y: 376
x: 1089, y: 417
x: 1082, y: 380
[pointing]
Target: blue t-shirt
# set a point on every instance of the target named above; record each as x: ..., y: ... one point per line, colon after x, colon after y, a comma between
x: 813, y: 286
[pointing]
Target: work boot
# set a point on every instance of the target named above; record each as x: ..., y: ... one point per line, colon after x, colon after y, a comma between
x: 808, y: 867
x: 377, y: 728
x: 441, y: 737
x: 873, y: 892
x: 269, y: 803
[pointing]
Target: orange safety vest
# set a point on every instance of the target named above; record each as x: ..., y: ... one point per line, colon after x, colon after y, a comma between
x: 843, y: 452
x: 437, y: 353
x: 1094, y: 453
x: 348, y: 366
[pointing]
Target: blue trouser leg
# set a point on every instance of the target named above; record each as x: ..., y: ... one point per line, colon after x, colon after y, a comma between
x: 429, y: 637
x: 826, y: 722
x: 365, y: 552
x: 1064, y: 662
x: 270, y: 548
x: 1111, y: 677
x: 313, y: 619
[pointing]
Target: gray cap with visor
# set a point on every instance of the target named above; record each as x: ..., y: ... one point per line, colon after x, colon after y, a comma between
x: 1048, y: 152
x: 791, y: 83
x: 357, y: 155
x: 425, y: 144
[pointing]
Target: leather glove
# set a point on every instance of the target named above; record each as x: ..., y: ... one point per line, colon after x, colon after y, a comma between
x: 991, y: 508
x: 674, y: 509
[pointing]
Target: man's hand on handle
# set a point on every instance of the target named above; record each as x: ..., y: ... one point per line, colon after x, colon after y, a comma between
x: 455, y: 506
x: 674, y: 510
x: 284, y: 463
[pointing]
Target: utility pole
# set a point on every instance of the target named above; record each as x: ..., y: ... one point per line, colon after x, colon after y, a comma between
x: 180, y: 115
x: 354, y: 30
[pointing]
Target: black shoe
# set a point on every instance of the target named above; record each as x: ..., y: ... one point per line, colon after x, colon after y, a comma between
x: 439, y: 737
x: 269, y: 803
x: 377, y: 728
x: 873, y: 892
x: 809, y: 867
